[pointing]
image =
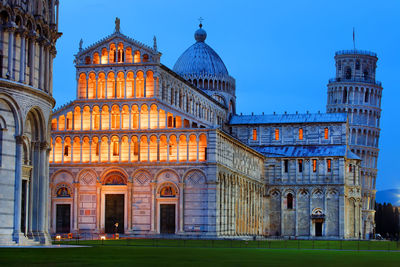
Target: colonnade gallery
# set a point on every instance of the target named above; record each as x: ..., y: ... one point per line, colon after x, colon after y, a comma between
x: 160, y: 151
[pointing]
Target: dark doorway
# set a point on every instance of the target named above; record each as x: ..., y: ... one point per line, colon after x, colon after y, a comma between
x: 114, y: 213
x: 63, y: 218
x: 167, y: 218
x: 318, y: 229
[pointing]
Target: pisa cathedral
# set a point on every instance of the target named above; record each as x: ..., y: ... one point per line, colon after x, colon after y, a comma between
x: 162, y: 151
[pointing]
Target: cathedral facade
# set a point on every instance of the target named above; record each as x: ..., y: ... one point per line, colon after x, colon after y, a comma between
x: 27, y: 48
x: 147, y: 150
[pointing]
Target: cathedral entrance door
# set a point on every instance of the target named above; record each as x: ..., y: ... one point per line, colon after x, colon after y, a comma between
x: 318, y: 229
x: 167, y: 218
x: 63, y: 218
x: 114, y: 213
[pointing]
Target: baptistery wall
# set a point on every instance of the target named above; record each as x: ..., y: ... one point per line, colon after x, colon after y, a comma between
x: 27, y: 49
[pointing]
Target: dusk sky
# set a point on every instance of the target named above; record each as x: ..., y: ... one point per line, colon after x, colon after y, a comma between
x: 281, y: 53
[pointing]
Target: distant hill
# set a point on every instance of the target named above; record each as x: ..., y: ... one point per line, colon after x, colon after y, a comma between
x: 389, y: 196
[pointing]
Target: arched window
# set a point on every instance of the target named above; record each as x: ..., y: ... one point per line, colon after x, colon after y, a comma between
x: 202, y: 147
x: 129, y: 57
x: 289, y: 201
x: 129, y: 84
x: 149, y: 84
x: 58, y: 150
x: 92, y: 86
x: 136, y: 57
x: 113, y: 53
x: 125, y: 117
x: 96, y: 118
x: 144, y: 146
x: 134, y: 149
x: 85, y: 150
x: 153, y: 116
x: 163, y: 148
x: 104, y: 149
x: 86, y: 118
x: 82, y: 86
x: 96, y: 58
x: 124, y: 149
x: 182, y: 148
x: 101, y: 86
x: 105, y: 118
x: 153, y: 148
x: 67, y: 150
x: 69, y: 121
x: 192, y: 148
x: 172, y: 148
x: 365, y: 74
x: 121, y: 55
x: 326, y: 133
x: 135, y: 117
x: 76, y: 150
x: 115, y: 117
x: 104, y: 56
x: 145, y: 58
x: 111, y: 85
x: 88, y: 60
x: 54, y: 124
x: 366, y: 98
x: 61, y: 123
x: 139, y: 84
x: 161, y: 118
x: 77, y: 118
x: 120, y: 85
x: 144, y: 117
x: 301, y: 134
x: 95, y: 149
x: 114, y: 147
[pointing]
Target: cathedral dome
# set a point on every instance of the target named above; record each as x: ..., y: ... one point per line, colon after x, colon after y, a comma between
x: 200, y: 60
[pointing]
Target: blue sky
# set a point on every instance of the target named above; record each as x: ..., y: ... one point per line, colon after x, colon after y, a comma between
x: 280, y: 52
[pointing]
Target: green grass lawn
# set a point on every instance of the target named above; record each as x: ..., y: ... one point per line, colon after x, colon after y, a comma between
x: 177, y: 256
x: 152, y: 252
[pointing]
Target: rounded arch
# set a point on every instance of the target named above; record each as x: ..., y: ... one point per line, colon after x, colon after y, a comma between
x: 62, y: 174
x: 194, y: 177
x: 159, y: 175
x: 164, y: 189
x: 36, y: 115
x: 105, y: 172
x: 114, y: 176
x: 15, y: 110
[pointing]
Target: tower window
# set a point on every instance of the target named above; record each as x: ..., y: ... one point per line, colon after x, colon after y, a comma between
x: 348, y: 73
x: 344, y: 95
x: 301, y: 134
x: 357, y: 64
x: 329, y: 165
x: 366, y: 98
x: 254, y: 134
x: 314, y: 165
x: 300, y: 163
x: 289, y: 201
x: 366, y: 74
x: 350, y: 168
x: 276, y: 134
x: 286, y: 165
x: 326, y: 133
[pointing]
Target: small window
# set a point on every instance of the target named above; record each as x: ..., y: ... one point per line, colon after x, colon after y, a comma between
x: 350, y: 168
x: 348, y: 73
x: 97, y: 149
x: 314, y: 165
x: 286, y: 165
x: 276, y: 134
x: 326, y: 133
x: 344, y: 95
x: 116, y: 149
x: 301, y: 134
x: 357, y: 64
x: 289, y: 201
x: 254, y: 134
x: 300, y: 163
x: 366, y: 98
x: 329, y: 165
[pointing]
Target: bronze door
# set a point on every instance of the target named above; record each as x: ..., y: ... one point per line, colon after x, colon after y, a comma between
x: 167, y: 219
x: 63, y: 218
x: 114, y: 213
x: 318, y: 229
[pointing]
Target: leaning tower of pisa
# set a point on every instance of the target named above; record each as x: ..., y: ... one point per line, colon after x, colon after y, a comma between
x: 355, y: 91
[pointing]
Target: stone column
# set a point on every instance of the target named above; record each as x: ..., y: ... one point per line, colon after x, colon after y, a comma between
x: 32, y: 40
x: 181, y: 207
x: 98, y: 205
x: 153, y: 206
x: 11, y: 33
x: 144, y: 84
x: 75, y: 208
x: 17, y: 188
x: 43, y: 185
x: 129, y: 208
x: 22, y: 58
